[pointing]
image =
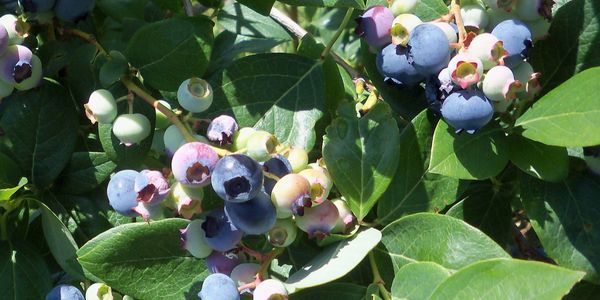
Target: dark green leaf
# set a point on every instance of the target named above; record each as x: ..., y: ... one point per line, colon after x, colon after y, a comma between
x: 566, y: 218
x: 572, y: 44
x: 170, y: 51
x: 468, y: 156
x: 583, y: 291
x: 413, y: 189
x: 113, y: 69
x: 86, y: 171
x: 120, y: 9
x: 487, y: 209
x: 23, y: 273
x: 362, y: 155
x: 9, y: 173
x: 280, y: 93
x: 42, y: 127
x: 444, y: 240
x: 541, y: 161
x: 263, y: 7
x: 144, y: 260
x: 346, y: 291
x: 360, y: 4
x: 6, y: 193
x: 418, y: 280
x: 61, y: 242
x: 241, y: 20
x: 508, y: 279
x: 568, y: 115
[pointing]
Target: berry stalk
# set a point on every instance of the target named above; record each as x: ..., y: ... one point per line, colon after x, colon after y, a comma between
x: 90, y: 38
x: 337, y: 33
x: 377, y: 278
x: 462, y: 33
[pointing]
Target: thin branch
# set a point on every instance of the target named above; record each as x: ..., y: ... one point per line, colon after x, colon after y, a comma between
x: 462, y: 33
x: 288, y: 23
x: 189, y: 9
x: 90, y: 38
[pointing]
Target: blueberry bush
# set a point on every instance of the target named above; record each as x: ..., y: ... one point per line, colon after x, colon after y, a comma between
x: 314, y: 149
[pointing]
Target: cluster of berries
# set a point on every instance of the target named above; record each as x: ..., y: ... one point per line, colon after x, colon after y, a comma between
x: 267, y: 189
x: 468, y: 78
x: 96, y: 291
x: 64, y: 10
x: 19, y: 68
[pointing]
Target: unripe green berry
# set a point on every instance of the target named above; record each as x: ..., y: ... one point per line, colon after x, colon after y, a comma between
x: 261, y: 145
x: 162, y: 121
x: 240, y: 138
x: 131, y: 128
x: 195, y: 95
x: 283, y: 233
x: 298, y: 158
x: 101, y: 107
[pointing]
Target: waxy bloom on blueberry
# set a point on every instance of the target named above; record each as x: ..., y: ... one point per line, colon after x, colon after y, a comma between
x: 131, y: 129
x: 221, y: 130
x: 121, y: 193
x: 218, y: 286
x: 193, y: 164
x: 277, y: 166
x: 65, y: 292
x: 318, y: 221
x: 101, y: 107
x: 291, y: 194
x: 218, y: 262
x: 516, y: 38
x: 467, y: 110
x: 428, y: 49
x: 219, y: 232
x: 237, y: 178
x: 195, y: 95
x: 255, y: 216
x: 194, y: 240
x: 449, y: 30
x: 270, y: 289
x: 374, y: 26
x: 283, y: 233
x: 392, y: 63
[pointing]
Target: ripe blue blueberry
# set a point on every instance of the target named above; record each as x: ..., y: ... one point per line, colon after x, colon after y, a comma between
x: 131, y: 129
x: 279, y: 166
x: 237, y: 178
x: 65, y: 292
x: 73, y: 10
x: 35, y: 6
x: 223, y: 263
x: 220, y: 235
x: 255, y: 216
x: 516, y: 38
x: 121, y: 193
x: 467, y: 110
x: 194, y: 239
x: 195, y: 95
x: 392, y: 64
x: 218, y: 286
x: 270, y: 289
x: 428, y: 49
x: 374, y: 26
x: 193, y: 164
x: 221, y: 130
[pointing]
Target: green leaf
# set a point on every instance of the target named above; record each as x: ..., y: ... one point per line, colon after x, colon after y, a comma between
x: 228, y: 46
x: 263, y: 7
x: 335, y: 261
x: 122, y: 9
x: 338, y: 290
x: 6, y: 193
x: 426, y: 10
x: 114, y: 69
x: 241, y: 20
x: 61, y: 242
x: 144, y: 260
x: 572, y: 44
x: 413, y: 189
x: 444, y: 240
x: 568, y: 115
x: 362, y: 155
x: 468, y: 156
x: 508, y: 278
x: 42, y: 127
x: 360, y: 4
x: 23, y: 273
x: 372, y: 292
x: 541, y: 161
x: 566, y: 219
x: 10, y: 174
x: 488, y: 209
x: 277, y: 92
x: 127, y: 156
x: 170, y: 51
x: 86, y: 171
x: 418, y: 280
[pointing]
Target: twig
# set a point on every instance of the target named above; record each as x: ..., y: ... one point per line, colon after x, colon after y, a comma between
x: 90, y: 38
x: 288, y: 23
x: 189, y: 9
x: 462, y: 33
